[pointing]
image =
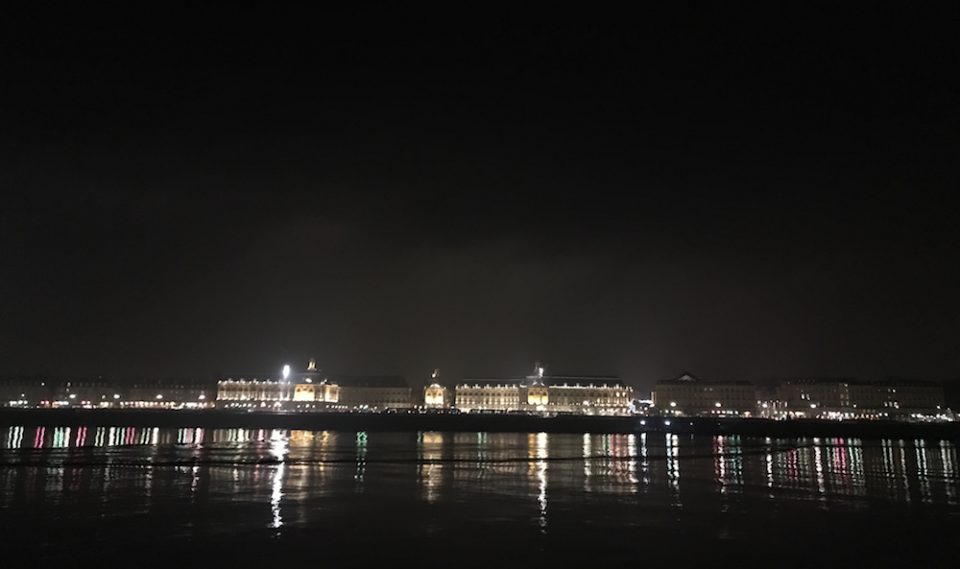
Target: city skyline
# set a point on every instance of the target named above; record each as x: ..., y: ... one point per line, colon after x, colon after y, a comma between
x: 520, y: 285
x: 293, y: 372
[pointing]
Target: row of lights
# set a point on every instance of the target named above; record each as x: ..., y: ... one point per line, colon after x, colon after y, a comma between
x: 159, y: 396
x: 717, y: 404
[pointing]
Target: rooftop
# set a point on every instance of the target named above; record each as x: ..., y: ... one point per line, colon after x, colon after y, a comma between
x: 550, y: 380
x: 687, y: 378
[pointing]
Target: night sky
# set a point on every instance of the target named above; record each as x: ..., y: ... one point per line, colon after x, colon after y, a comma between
x: 742, y: 195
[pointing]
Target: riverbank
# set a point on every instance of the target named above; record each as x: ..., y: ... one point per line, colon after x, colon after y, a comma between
x: 221, y: 419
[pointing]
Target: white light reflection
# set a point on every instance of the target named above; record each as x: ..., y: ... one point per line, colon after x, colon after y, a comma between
x: 587, y: 456
x: 818, y: 464
x: 673, y: 468
x: 14, y: 437
x: 279, y: 446
x: 736, y: 462
x: 431, y: 464
x: 542, y: 455
x: 903, y: 471
x: 888, y: 468
x: 949, y: 471
x: 720, y: 464
x: 194, y: 480
x: 923, y: 473
x: 856, y: 465
x: 768, y: 460
x: 644, y: 461
x: 361, y: 460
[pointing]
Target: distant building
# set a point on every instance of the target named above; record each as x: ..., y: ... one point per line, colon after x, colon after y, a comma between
x: 25, y: 393
x: 588, y: 395
x: 843, y: 398
x: 268, y: 390
x: 373, y: 392
x: 84, y: 394
x: 166, y: 395
x: 689, y: 395
x: 435, y: 395
x: 313, y: 390
x: 106, y: 394
x: 489, y: 395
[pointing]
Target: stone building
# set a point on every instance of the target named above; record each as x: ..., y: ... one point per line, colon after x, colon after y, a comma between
x: 435, y: 395
x: 845, y: 398
x: 313, y: 390
x: 689, y: 395
x: 167, y: 394
x: 540, y: 393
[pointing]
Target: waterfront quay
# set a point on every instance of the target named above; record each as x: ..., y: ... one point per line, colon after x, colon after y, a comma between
x: 461, y: 422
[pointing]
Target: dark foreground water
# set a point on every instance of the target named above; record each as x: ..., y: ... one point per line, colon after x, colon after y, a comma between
x: 226, y: 498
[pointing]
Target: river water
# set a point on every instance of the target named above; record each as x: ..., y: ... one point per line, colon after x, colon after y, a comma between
x: 231, y: 497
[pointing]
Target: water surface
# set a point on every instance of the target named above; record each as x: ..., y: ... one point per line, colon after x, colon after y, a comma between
x: 195, y: 497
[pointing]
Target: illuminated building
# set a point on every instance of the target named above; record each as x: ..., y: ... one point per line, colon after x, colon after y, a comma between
x: 259, y: 390
x: 305, y: 392
x: 82, y: 393
x: 25, y: 393
x: 373, y: 392
x: 103, y: 394
x: 839, y: 398
x: 588, y: 395
x: 488, y: 395
x: 254, y: 389
x: 688, y: 395
x: 313, y: 390
x: 173, y: 395
x: 434, y: 394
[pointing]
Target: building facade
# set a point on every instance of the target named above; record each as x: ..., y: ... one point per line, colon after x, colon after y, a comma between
x: 167, y: 394
x: 250, y: 390
x: 375, y: 393
x: 488, y: 395
x: 25, y: 393
x: 540, y: 393
x: 435, y: 396
x: 313, y: 390
x: 691, y: 396
x: 830, y: 398
x: 106, y: 394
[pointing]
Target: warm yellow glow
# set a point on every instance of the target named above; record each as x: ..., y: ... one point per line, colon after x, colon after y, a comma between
x: 304, y: 392
x: 434, y: 395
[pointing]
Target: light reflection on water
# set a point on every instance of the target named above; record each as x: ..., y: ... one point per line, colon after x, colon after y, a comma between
x: 284, y: 479
x: 896, y: 470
